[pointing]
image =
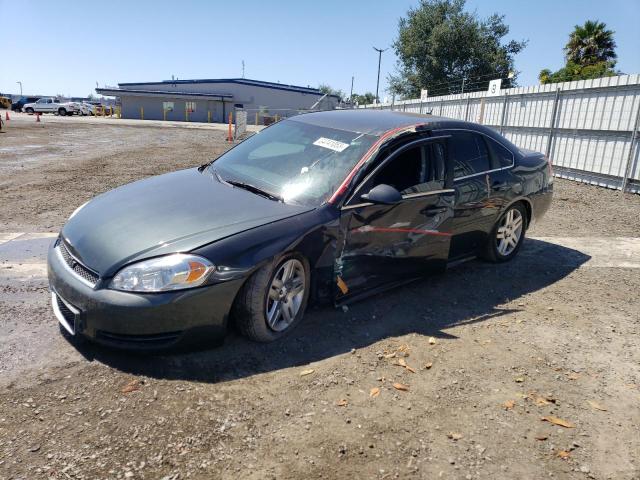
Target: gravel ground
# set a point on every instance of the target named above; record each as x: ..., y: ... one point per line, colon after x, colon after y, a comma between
x: 523, y: 370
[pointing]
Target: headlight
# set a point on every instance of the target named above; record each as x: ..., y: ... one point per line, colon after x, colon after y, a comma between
x: 173, y: 272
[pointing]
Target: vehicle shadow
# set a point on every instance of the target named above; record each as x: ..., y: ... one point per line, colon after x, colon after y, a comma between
x: 469, y: 293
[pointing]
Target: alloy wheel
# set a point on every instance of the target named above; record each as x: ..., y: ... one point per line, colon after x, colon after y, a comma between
x: 285, y: 295
x: 509, y: 232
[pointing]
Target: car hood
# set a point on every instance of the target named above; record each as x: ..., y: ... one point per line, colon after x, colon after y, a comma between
x: 175, y: 212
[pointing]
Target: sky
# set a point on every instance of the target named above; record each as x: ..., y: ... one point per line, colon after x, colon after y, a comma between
x: 66, y: 46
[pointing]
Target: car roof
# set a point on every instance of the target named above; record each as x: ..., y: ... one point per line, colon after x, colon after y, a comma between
x: 374, y: 122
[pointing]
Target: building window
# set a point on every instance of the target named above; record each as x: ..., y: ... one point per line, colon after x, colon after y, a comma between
x: 167, y: 106
x: 191, y: 107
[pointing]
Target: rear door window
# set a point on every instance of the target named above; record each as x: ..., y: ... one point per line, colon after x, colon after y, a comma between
x: 469, y: 153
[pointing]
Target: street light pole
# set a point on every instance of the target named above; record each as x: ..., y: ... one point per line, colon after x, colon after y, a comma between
x: 379, y: 50
x: 20, y: 87
x: 351, y: 94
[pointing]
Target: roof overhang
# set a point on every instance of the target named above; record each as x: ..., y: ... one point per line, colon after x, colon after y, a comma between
x: 131, y: 92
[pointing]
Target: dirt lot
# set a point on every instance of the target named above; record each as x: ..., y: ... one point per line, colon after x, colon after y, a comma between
x: 526, y: 370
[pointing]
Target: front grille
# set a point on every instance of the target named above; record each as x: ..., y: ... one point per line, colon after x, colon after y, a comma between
x: 79, y: 269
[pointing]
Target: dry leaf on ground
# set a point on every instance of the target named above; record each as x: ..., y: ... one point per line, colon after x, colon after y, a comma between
x: 410, y: 369
x: 342, y: 402
x: 509, y: 404
x: 307, y: 372
x: 132, y: 386
x: 390, y: 355
x: 597, y: 406
x: 401, y: 386
x: 558, y: 421
x: 541, y: 437
x: 374, y: 392
x: 428, y: 365
x: 564, y: 454
x: 519, y: 379
x: 432, y: 341
x: 454, y: 436
x: 540, y: 401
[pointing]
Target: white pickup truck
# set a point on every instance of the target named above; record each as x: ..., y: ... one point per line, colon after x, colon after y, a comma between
x: 51, y: 105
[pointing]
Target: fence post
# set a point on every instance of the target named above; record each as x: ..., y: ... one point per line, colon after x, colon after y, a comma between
x: 552, y: 127
x: 466, y: 110
x: 634, y: 136
x: 141, y: 113
x: 421, y: 103
x: 481, y: 116
x: 504, y: 112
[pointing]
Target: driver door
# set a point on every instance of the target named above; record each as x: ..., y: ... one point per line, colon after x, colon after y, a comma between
x: 387, y: 244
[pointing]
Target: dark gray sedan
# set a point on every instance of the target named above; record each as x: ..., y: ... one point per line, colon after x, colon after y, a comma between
x: 323, y: 207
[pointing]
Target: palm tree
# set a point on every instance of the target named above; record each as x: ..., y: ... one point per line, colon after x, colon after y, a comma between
x: 591, y: 43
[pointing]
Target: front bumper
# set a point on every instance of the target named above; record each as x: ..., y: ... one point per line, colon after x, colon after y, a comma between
x: 139, y: 321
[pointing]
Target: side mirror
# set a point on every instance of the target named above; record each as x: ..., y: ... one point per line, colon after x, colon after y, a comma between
x: 382, y: 194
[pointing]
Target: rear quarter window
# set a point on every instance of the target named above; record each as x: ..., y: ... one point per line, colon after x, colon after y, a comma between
x: 502, y: 156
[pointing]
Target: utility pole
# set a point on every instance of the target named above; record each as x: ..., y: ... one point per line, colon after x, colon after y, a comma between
x: 242, y: 68
x: 20, y: 87
x: 379, y: 50
x: 351, y: 94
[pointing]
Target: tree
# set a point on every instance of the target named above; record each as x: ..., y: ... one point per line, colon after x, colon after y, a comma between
x: 439, y: 44
x: 589, y: 53
x: 364, y: 99
x: 327, y: 89
x: 591, y: 43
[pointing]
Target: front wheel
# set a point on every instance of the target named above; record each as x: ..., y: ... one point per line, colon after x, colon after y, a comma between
x: 507, y: 235
x: 29, y: 110
x: 62, y: 112
x: 272, y: 302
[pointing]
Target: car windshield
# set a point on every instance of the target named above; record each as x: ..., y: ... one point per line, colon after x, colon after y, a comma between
x: 298, y: 162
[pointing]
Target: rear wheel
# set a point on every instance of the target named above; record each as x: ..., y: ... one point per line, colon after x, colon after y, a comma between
x: 62, y: 112
x: 29, y: 110
x: 507, y: 235
x: 272, y: 302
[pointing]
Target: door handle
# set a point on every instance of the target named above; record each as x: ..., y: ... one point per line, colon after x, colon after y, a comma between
x: 432, y: 211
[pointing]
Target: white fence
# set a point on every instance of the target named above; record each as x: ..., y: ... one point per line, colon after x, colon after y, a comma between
x: 588, y: 128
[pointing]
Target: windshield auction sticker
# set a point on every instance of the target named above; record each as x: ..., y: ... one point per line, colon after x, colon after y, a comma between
x: 334, y: 145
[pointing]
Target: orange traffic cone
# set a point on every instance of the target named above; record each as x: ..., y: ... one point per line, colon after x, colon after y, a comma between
x: 37, y: 117
x: 6, y: 115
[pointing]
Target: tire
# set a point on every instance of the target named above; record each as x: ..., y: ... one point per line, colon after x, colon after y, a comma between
x: 513, y: 224
x: 254, y: 306
x: 29, y: 110
x: 62, y: 112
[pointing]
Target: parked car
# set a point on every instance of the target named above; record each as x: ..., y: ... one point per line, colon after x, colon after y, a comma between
x: 329, y: 206
x: 84, y: 109
x: 88, y: 108
x: 17, y: 106
x: 51, y: 105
